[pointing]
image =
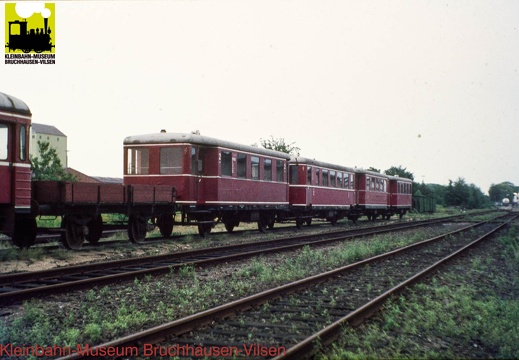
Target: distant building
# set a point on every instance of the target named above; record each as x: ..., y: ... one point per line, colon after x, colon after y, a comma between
x: 50, y: 134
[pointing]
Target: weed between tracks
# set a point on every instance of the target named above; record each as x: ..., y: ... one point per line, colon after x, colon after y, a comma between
x: 469, y: 311
x: 100, y: 315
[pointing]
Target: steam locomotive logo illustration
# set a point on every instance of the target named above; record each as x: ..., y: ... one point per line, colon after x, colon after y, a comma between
x: 29, y: 27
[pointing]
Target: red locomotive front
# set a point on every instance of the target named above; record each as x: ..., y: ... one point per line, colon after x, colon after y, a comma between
x: 15, y: 170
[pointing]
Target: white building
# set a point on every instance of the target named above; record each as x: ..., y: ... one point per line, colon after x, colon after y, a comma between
x: 50, y: 134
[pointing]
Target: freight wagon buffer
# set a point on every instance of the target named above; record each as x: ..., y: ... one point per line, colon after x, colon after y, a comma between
x: 216, y: 180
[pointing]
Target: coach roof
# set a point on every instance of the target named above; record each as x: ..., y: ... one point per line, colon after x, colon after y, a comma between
x: 179, y: 138
x: 301, y: 160
x: 13, y: 105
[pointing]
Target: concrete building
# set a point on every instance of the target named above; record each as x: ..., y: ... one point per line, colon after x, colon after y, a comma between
x: 50, y: 134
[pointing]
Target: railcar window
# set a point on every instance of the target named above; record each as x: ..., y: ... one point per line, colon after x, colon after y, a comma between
x: 280, y: 170
x: 254, y: 164
x: 226, y: 158
x: 325, y: 177
x: 23, y: 143
x: 242, y: 165
x: 367, y: 182
x: 4, y: 141
x: 317, y: 177
x: 333, y: 179
x: 351, y: 181
x: 339, y: 180
x: 138, y: 162
x: 294, y: 171
x: 267, y: 169
x: 309, y: 175
x: 197, y: 162
x: 171, y: 161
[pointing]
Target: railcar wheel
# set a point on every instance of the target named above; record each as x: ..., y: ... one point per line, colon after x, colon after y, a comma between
x: 137, y: 228
x: 74, y: 234
x: 271, y: 224
x: 299, y: 223
x: 95, y: 230
x: 308, y: 222
x: 24, y: 234
x: 166, y: 225
x: 229, y: 227
x: 262, y: 226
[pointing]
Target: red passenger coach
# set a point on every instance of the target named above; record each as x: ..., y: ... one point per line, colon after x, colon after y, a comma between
x: 321, y: 190
x: 15, y: 169
x: 372, y: 193
x: 400, y: 197
x: 216, y: 180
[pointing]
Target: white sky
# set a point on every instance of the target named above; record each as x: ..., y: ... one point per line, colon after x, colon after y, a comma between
x: 432, y: 86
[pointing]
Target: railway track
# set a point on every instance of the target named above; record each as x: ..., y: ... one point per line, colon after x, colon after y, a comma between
x: 293, y: 320
x: 21, y: 286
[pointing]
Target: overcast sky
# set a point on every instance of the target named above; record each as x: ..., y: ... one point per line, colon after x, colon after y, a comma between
x: 432, y: 86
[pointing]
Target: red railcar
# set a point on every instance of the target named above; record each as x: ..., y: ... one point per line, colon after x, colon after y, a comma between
x: 321, y: 190
x: 15, y: 171
x: 400, y: 195
x: 372, y: 193
x: 216, y: 180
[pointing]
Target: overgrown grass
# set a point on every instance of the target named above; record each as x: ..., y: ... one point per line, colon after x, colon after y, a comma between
x: 469, y: 311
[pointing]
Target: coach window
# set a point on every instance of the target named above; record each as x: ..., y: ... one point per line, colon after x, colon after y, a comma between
x: 138, y: 162
x: 339, y: 180
x: 280, y: 171
x: 197, y: 161
x: 171, y: 161
x: 226, y: 163
x: 325, y: 177
x: 351, y: 181
x: 242, y: 165
x: 4, y: 141
x: 367, y: 182
x: 23, y: 143
x: 317, y: 177
x: 254, y: 167
x: 309, y: 175
x: 267, y: 169
x: 333, y: 179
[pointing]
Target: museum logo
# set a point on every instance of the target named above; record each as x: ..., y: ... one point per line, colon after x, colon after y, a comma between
x: 30, y: 33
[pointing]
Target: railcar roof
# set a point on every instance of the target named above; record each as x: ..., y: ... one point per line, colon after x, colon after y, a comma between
x: 302, y: 160
x: 14, y: 105
x: 391, y: 177
x: 172, y: 138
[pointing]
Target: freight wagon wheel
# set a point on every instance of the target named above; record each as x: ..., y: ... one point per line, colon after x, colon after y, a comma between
x: 95, y: 230
x: 137, y: 228
x: 74, y: 234
x: 166, y: 225
x: 24, y: 234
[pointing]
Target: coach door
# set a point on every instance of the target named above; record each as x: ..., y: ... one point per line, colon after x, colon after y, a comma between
x: 5, y: 167
x: 197, y: 169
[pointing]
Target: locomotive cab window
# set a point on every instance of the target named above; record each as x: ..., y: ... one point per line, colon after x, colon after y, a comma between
x: 171, y: 161
x: 138, y: 162
x: 4, y: 141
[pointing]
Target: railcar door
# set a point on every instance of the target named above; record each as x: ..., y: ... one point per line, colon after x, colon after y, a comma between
x: 5, y: 164
x: 197, y: 169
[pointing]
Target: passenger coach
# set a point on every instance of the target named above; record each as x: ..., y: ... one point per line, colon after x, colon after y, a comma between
x: 216, y: 180
x: 321, y: 190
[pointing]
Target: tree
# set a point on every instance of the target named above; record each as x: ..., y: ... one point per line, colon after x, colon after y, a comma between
x: 503, y: 190
x: 459, y: 193
x: 280, y: 145
x: 48, y: 165
x: 399, y: 171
